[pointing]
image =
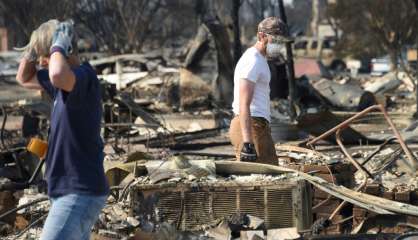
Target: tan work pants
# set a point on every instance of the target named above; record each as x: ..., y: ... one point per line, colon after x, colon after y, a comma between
x: 262, y: 139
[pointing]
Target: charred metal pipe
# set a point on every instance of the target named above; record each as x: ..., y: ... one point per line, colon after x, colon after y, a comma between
x: 347, y: 154
x: 125, y: 190
x: 377, y: 150
x: 3, y: 125
x: 412, y: 159
x: 36, y: 172
x: 13, y: 210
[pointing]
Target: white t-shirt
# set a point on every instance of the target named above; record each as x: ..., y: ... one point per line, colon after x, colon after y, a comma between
x: 253, y: 66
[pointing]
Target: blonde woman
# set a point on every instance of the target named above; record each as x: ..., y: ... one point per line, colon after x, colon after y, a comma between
x: 74, y: 163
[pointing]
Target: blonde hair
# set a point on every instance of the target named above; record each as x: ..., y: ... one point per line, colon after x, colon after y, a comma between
x: 41, y: 39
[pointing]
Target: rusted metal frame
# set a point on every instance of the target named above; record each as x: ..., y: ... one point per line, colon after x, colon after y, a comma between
x: 347, y: 154
x: 322, y: 202
x: 337, y: 130
x: 343, y: 220
x: 329, y: 196
x: 360, y: 167
x: 363, y: 170
x: 412, y: 161
x: 342, y: 204
x: 342, y: 125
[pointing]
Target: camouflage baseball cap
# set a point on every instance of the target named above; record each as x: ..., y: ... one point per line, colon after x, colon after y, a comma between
x: 276, y: 27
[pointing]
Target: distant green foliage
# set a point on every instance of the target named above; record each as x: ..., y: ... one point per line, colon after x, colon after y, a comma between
x: 373, y: 28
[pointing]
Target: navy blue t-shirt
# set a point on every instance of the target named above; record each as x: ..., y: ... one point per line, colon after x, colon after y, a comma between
x: 74, y: 162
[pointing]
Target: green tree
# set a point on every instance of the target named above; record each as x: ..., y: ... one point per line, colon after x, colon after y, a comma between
x: 374, y: 27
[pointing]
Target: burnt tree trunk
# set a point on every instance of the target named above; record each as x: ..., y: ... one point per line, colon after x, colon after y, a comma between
x: 223, y: 85
x: 289, y: 67
x: 237, y: 40
x: 279, y: 86
x: 198, y: 48
x: 393, y: 55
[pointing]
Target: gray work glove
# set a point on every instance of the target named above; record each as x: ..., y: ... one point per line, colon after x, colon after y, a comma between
x: 63, y: 36
x: 248, y: 153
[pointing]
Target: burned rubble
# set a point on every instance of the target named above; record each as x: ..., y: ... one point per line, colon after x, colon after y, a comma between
x: 171, y: 176
x: 347, y: 155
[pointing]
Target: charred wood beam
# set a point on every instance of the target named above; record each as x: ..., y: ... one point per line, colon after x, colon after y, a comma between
x: 388, y: 161
x: 176, y: 138
x: 197, y: 146
x: 205, y: 154
x: 136, y: 110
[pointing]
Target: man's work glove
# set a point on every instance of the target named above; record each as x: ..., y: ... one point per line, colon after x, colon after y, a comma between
x: 248, y: 153
x: 63, y: 35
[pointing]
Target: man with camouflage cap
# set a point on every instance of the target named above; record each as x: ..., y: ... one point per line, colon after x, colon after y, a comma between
x: 250, y: 131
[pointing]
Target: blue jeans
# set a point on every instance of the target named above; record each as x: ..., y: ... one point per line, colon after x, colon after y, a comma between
x: 72, y: 217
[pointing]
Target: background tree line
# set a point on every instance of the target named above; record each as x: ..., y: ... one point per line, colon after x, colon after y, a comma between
x: 369, y: 28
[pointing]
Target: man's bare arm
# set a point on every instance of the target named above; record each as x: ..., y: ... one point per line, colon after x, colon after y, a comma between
x: 246, y: 92
x: 26, y: 75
